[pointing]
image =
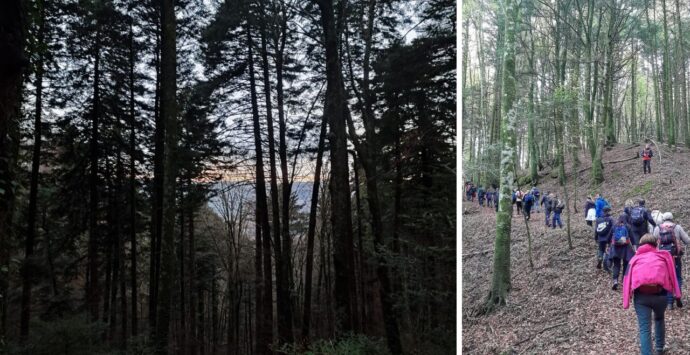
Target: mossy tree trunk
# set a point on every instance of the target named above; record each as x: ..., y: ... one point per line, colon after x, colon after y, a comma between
x: 501, y: 264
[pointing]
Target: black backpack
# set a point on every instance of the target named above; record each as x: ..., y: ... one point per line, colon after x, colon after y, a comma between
x: 637, y: 216
x: 603, y: 226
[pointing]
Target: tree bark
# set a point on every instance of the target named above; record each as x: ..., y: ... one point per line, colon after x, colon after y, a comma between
x: 27, y: 270
x: 169, y: 116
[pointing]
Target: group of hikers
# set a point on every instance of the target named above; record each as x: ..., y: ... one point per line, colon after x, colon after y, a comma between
x: 649, y: 248
x: 485, y: 197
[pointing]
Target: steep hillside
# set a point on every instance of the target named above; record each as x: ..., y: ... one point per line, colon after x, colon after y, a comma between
x: 565, y: 304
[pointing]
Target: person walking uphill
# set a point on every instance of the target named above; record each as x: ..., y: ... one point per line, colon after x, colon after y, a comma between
x: 603, y: 233
x: 557, y: 210
x: 650, y: 275
x: 481, y: 194
x: 590, y: 211
x: 599, y: 205
x: 647, y: 155
x: 670, y: 235
x: 546, y: 202
x: 621, y: 249
x: 639, y: 217
x: 528, y: 202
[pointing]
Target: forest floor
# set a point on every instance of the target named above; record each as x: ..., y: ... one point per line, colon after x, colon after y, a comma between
x: 564, y: 304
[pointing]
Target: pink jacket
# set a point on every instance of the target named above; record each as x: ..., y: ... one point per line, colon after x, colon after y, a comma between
x: 650, y: 266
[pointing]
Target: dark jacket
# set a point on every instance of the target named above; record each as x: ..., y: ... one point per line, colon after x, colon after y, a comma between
x: 624, y: 252
x: 605, y: 237
x: 547, y: 203
x: 557, y: 209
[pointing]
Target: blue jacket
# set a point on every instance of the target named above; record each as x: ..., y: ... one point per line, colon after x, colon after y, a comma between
x: 599, y: 206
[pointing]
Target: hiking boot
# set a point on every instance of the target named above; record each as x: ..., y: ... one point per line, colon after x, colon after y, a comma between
x: 615, y: 285
x: 679, y: 303
x: 599, y: 264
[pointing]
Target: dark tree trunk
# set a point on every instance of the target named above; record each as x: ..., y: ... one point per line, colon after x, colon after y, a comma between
x: 341, y: 216
x: 27, y: 271
x: 287, y: 334
x: 265, y: 328
x: 12, y: 63
x: 157, y: 204
x: 169, y: 116
x: 93, y: 293
x: 306, y: 321
x: 132, y: 186
x: 282, y: 298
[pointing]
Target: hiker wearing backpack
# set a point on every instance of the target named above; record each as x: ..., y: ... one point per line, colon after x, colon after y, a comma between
x: 546, y: 201
x: 590, y: 211
x: 621, y: 249
x: 639, y: 217
x: 537, y: 194
x: 481, y: 195
x: 490, y: 198
x: 647, y: 155
x: 518, y: 201
x: 557, y: 210
x: 603, y: 233
x: 670, y: 235
x: 528, y: 201
x: 599, y: 205
x: 650, y: 276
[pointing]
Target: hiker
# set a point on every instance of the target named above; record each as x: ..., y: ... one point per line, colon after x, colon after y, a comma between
x: 490, y: 199
x: 670, y: 234
x: 537, y: 194
x: 590, y: 211
x: 639, y: 217
x: 599, y: 205
x: 621, y: 249
x: 528, y: 201
x: 650, y: 276
x: 546, y: 201
x: 518, y: 201
x: 481, y: 195
x: 468, y: 191
x: 647, y: 159
x: 603, y: 233
x: 557, y: 210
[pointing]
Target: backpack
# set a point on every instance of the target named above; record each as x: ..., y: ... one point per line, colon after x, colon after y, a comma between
x: 647, y: 153
x: 560, y: 205
x: 620, y: 235
x: 604, y: 225
x: 637, y: 216
x: 529, y: 199
x: 667, y: 238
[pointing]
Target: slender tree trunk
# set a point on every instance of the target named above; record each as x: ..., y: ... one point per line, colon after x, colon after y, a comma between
x: 668, y: 88
x: 265, y: 329
x: 157, y: 203
x: 287, y: 333
x: 132, y: 187
x: 169, y: 116
x: 306, y: 320
x: 27, y: 270
x: 93, y: 294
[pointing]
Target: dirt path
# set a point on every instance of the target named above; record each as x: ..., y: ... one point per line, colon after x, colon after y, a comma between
x: 565, y: 304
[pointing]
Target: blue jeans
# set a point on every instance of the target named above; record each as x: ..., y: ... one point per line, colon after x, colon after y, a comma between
x: 644, y: 305
x: 556, y: 219
x: 547, y: 217
x: 679, y: 266
x: 481, y: 201
x: 602, y: 250
x: 617, y: 267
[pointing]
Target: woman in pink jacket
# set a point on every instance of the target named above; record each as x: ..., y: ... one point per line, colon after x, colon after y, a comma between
x: 650, y: 274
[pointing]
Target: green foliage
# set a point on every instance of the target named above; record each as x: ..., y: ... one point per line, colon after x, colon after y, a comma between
x: 348, y: 345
